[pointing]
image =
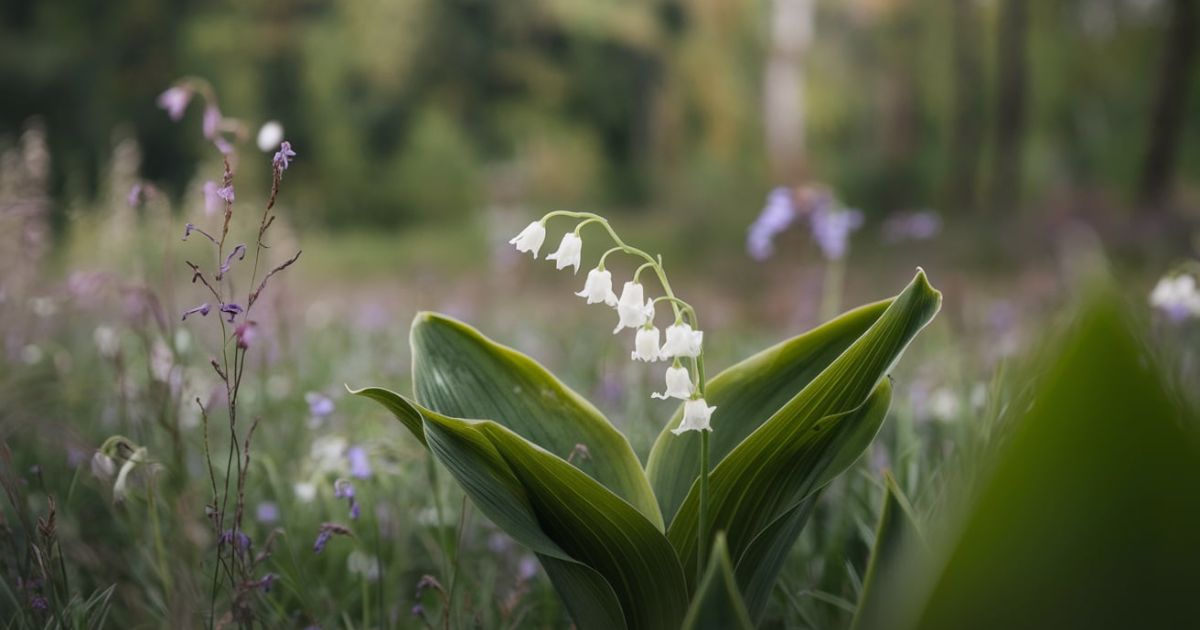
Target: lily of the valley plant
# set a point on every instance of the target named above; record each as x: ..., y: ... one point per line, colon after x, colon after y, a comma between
x: 730, y: 481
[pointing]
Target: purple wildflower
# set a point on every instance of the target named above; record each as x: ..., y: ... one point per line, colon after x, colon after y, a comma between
x: 355, y: 509
x: 319, y: 405
x: 266, y: 582
x: 831, y: 228
x: 327, y: 531
x: 212, y: 202
x: 212, y: 120
x: 239, y: 540
x: 232, y: 310
x: 914, y: 226
x: 776, y: 216
x: 202, y: 309
x: 223, y: 145
x: 136, y: 195
x: 360, y: 465
x: 226, y: 193
x: 283, y: 156
x: 175, y: 100
x: 37, y: 602
x: 343, y: 489
x: 267, y: 512
x: 417, y: 611
x: 245, y: 333
x: 239, y: 251
x: 323, y: 537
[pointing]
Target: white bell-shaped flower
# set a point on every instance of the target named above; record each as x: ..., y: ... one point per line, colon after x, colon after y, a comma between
x: 679, y: 384
x: 569, y: 251
x: 631, y: 310
x: 531, y: 238
x: 696, y: 415
x: 645, y: 345
x: 598, y: 288
x: 682, y: 341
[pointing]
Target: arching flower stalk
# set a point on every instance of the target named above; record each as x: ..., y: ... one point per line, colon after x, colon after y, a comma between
x: 684, y: 340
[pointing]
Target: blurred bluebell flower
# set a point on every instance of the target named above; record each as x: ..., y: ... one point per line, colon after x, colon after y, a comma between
x: 212, y: 201
x: 343, y: 489
x: 776, y: 216
x: 175, y: 100
x: 212, y: 121
x: 831, y: 229
x: 319, y: 405
x: 360, y: 465
x: 267, y: 512
x: 226, y: 192
x: 912, y: 226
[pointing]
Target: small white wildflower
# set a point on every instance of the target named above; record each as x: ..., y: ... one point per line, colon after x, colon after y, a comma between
x: 531, y: 238
x: 269, y: 136
x: 1177, y: 297
x: 631, y: 310
x: 103, y: 467
x: 944, y: 405
x: 305, y: 491
x: 363, y: 564
x: 679, y: 385
x: 682, y: 341
x: 570, y: 249
x: 598, y: 288
x: 645, y: 345
x: 696, y: 415
x: 107, y: 341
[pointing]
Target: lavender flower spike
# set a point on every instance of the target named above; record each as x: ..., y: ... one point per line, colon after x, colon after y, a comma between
x: 343, y: 489
x: 776, y: 216
x: 226, y: 193
x: 283, y: 156
x: 202, y: 309
x: 231, y: 309
x: 239, y: 251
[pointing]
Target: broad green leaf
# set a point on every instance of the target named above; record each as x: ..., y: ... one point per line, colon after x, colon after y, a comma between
x: 745, y: 395
x: 811, y: 439
x: 717, y: 604
x: 897, y: 527
x: 1088, y: 514
x: 462, y: 374
x: 612, y: 567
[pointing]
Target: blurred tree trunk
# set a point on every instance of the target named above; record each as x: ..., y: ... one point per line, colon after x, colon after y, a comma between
x: 1010, y: 105
x: 1166, y: 126
x: 783, y: 88
x: 967, y: 131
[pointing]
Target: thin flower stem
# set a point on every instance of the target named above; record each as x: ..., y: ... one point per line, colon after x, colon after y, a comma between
x: 703, y: 512
x: 638, y: 272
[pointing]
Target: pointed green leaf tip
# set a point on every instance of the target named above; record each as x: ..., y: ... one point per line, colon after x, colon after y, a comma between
x: 1087, y: 517
x: 717, y: 604
x: 758, y: 490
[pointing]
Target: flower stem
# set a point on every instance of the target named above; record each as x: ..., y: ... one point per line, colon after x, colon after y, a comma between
x: 703, y: 548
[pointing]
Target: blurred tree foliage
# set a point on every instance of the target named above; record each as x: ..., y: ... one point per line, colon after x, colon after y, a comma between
x: 429, y: 109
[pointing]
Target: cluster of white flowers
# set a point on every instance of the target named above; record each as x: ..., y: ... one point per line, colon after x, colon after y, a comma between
x: 635, y: 311
x: 1177, y: 297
